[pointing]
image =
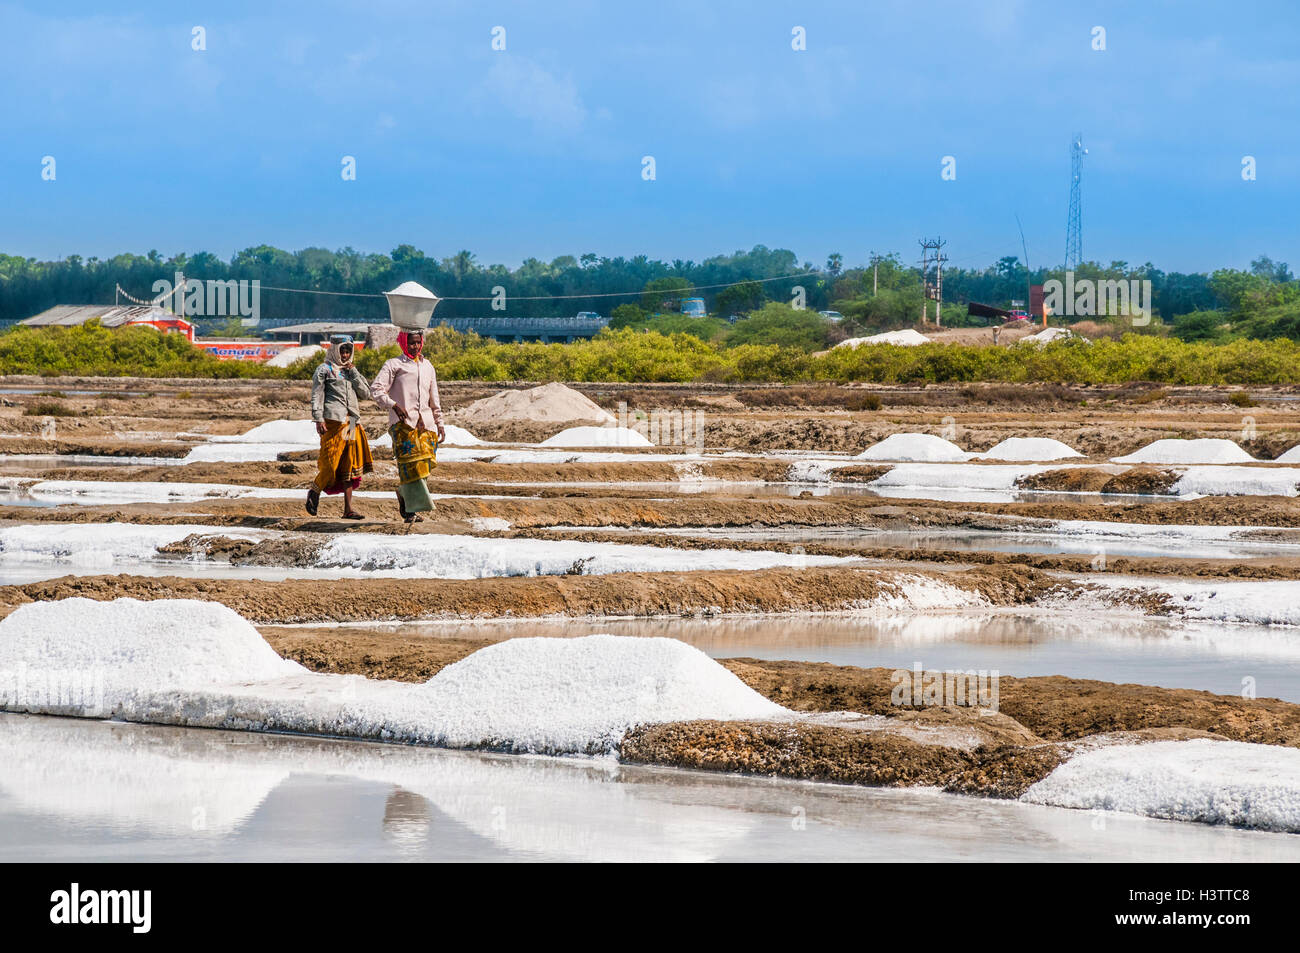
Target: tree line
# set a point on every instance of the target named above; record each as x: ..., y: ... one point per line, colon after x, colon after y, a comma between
x: 880, y: 294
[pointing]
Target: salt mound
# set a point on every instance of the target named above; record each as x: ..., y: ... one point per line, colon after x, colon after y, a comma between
x: 1048, y: 335
x: 914, y: 448
x: 135, y: 646
x: 582, y: 694
x: 596, y: 437
x: 1030, y: 449
x: 550, y: 403
x: 199, y: 663
x: 276, y: 431
x: 1188, y: 451
x: 456, y: 437
x: 906, y: 338
x: 1291, y: 456
x: 1217, y: 782
x: 292, y: 355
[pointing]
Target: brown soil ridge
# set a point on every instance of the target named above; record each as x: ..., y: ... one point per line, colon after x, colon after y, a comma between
x: 619, y: 594
x: 557, y: 506
x: 1147, y: 481
x: 1054, y: 707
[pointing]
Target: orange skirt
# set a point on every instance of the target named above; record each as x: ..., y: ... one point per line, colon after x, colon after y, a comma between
x: 343, y: 458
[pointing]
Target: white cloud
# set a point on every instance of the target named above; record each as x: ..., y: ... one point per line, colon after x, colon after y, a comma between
x: 528, y: 91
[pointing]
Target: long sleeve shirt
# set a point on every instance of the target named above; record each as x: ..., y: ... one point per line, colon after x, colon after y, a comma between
x: 411, y: 385
x: 336, y: 393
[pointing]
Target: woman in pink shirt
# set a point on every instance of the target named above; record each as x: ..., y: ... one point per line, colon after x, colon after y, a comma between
x: 408, y: 388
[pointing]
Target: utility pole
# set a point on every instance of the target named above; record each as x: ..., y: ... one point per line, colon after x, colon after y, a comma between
x: 875, y: 273
x: 925, y: 267
x: 929, y: 290
x: 939, y: 259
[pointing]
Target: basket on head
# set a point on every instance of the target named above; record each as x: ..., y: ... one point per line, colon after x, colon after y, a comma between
x: 410, y: 305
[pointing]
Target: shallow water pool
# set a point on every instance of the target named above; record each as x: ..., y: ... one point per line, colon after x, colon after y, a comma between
x: 87, y: 790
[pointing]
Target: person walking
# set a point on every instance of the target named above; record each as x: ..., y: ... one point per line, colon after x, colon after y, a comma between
x: 345, y: 456
x: 408, y: 388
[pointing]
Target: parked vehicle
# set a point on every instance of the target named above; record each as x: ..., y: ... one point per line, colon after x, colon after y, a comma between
x: 831, y: 315
x: 694, y: 307
x: 588, y: 316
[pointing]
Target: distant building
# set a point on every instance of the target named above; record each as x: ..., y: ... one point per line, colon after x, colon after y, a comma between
x: 317, y: 332
x: 546, y: 330
x: 111, y: 316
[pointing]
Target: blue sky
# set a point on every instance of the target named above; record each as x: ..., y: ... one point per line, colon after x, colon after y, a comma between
x: 536, y: 151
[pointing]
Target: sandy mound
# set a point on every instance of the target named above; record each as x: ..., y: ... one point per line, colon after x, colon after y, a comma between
x: 1188, y: 451
x: 550, y: 403
x: 914, y: 448
x: 597, y: 437
x: 1021, y: 449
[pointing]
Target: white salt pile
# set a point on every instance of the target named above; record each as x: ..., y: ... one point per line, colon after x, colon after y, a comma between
x: 129, y: 646
x: 292, y: 355
x: 582, y: 694
x: 1215, y: 782
x: 550, y: 403
x: 1048, y: 335
x: 905, y: 338
x: 445, y: 556
x: 458, y: 437
x: 1029, y: 449
x: 1238, y: 481
x: 274, y: 431
x: 597, y: 437
x: 914, y: 448
x: 1291, y: 456
x: 1188, y: 451
x: 199, y: 663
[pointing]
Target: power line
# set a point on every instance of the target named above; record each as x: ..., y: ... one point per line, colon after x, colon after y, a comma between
x: 596, y: 294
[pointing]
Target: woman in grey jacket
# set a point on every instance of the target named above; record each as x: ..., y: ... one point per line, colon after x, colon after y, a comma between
x: 335, y: 407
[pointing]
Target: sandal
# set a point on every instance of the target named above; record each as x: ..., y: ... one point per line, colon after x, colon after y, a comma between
x: 354, y: 515
x: 313, y: 501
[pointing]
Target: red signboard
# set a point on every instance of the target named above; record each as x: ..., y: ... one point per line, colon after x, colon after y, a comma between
x: 241, y: 350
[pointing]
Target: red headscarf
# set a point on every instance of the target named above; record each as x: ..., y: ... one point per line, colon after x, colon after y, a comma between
x: 411, y: 343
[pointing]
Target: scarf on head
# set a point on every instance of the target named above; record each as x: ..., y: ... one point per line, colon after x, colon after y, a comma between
x: 334, y: 356
x: 412, y: 346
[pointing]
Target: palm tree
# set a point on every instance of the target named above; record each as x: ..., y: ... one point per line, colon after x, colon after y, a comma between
x: 463, y: 263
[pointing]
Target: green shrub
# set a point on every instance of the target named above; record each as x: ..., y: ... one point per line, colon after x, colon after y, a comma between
x: 768, y: 351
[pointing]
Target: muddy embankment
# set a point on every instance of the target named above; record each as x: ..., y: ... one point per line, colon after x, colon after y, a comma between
x: 1101, y: 422
x: 605, y: 507
x: 619, y: 594
x: 1038, y: 723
